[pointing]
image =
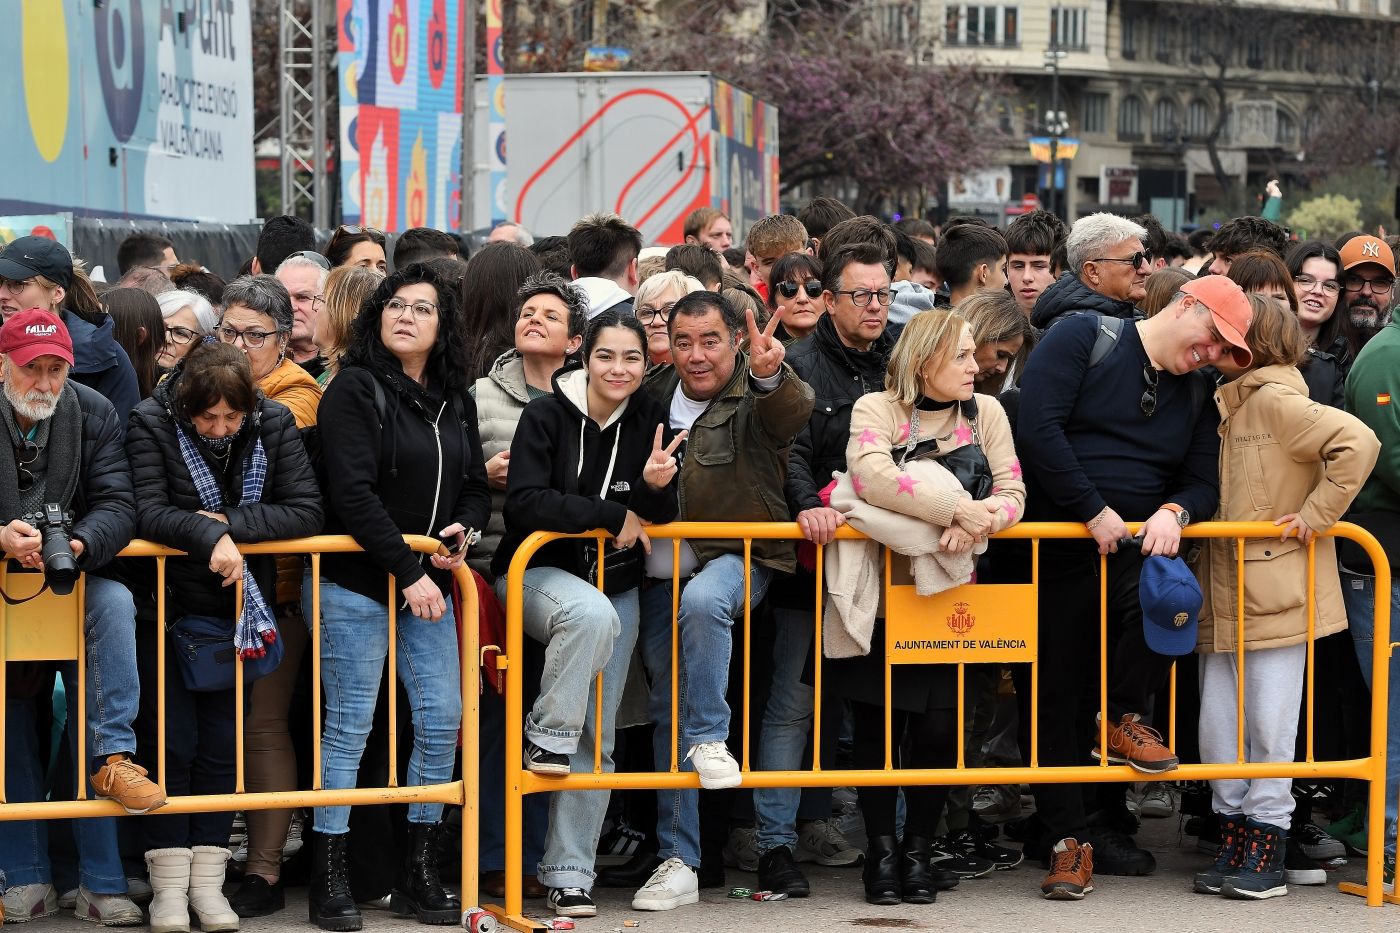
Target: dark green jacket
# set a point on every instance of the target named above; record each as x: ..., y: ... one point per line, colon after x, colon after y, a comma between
x: 736, y: 458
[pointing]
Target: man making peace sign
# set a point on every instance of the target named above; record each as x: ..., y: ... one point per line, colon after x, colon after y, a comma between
x: 742, y: 411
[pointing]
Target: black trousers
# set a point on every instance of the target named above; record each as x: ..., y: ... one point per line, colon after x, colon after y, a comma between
x: 1069, y: 670
x: 930, y: 739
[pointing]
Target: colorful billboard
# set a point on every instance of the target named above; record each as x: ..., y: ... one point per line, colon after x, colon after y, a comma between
x: 400, y: 78
x: 746, y: 155
x: 129, y: 108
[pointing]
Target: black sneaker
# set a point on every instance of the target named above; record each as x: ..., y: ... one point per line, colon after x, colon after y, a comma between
x: 968, y: 842
x: 550, y: 764
x: 778, y: 872
x: 1115, y: 853
x: 619, y: 844
x: 949, y: 858
x: 572, y: 902
x: 1298, y: 867
x: 1315, y: 842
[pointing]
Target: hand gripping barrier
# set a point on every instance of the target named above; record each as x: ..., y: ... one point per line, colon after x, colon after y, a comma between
x: 1006, y: 619
x: 32, y: 631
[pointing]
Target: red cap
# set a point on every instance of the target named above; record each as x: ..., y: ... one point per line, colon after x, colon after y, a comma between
x: 1230, y: 308
x: 35, y: 333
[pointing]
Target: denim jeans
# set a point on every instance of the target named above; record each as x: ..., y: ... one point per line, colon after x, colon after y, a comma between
x: 584, y: 632
x: 113, y: 690
x: 787, y: 728
x: 491, y: 855
x: 354, y: 646
x: 1359, y: 594
x: 709, y: 604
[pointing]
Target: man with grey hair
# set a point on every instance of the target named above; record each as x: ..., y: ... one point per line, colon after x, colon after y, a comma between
x: 1107, y: 271
x: 509, y: 232
x: 305, y: 280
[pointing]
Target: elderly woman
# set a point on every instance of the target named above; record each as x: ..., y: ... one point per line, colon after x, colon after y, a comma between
x: 795, y: 289
x: 215, y: 464
x: 402, y: 456
x: 257, y: 319
x: 655, y: 299
x: 927, y: 411
x: 188, y: 317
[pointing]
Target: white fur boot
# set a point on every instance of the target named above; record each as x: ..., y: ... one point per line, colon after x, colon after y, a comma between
x: 207, y: 890
x: 170, y: 886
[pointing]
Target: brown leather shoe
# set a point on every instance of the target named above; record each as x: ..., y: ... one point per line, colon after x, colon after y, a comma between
x: 1132, y: 743
x: 1071, y: 872
x: 124, y: 781
x: 493, y: 883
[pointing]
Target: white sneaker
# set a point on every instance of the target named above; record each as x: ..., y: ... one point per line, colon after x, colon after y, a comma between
x: 110, y: 910
x: 25, y: 902
x: 716, y: 767
x: 1155, y: 801
x: 741, y: 849
x: 670, y: 886
x: 821, y: 842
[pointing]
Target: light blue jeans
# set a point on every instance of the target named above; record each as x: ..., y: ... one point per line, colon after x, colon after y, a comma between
x: 787, y: 729
x: 354, y: 646
x: 1359, y: 594
x: 710, y: 603
x: 584, y: 632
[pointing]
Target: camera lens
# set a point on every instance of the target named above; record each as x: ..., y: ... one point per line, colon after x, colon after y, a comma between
x: 60, y: 566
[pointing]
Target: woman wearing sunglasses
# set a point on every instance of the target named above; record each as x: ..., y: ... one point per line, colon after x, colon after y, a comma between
x: 357, y: 246
x: 795, y: 289
x: 655, y: 298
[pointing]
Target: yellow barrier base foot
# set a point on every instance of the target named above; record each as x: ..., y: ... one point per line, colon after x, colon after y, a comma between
x: 507, y: 921
x: 1351, y: 887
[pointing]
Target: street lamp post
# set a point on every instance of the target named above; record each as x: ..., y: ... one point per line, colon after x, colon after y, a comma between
x: 1056, y: 121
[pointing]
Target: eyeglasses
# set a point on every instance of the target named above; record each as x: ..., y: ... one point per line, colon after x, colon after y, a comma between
x: 1135, y: 260
x: 422, y: 310
x: 812, y: 287
x: 180, y: 335
x: 860, y: 297
x: 252, y: 339
x: 648, y: 315
x: 1356, y: 284
x: 316, y: 300
x: 1148, y: 402
x: 25, y: 480
x: 15, y: 286
x: 1307, y: 283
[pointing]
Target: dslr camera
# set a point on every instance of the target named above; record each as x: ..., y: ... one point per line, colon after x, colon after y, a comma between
x: 60, y: 566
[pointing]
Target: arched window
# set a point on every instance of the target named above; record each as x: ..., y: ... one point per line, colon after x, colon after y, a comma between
x: 1198, y: 119
x: 1130, y: 117
x: 1165, y: 124
x: 1285, y: 129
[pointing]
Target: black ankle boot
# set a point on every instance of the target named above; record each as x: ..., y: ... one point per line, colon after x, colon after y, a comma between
x: 881, y: 872
x: 328, y: 899
x: 419, y: 890
x: 915, y: 874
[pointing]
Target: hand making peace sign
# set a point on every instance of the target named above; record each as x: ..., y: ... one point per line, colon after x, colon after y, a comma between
x: 661, y: 465
x: 765, y: 353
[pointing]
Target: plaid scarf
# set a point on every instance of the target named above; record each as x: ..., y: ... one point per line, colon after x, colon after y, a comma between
x: 256, y: 626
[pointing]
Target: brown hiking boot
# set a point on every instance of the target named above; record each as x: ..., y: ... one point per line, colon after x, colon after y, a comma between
x: 1132, y: 743
x: 1071, y: 871
x: 124, y: 781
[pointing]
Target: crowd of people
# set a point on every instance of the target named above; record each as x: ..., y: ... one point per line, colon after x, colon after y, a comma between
x: 929, y: 387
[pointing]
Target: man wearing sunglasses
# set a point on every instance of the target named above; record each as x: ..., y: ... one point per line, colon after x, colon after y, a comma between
x: 1130, y: 436
x: 1107, y: 271
x: 63, y: 447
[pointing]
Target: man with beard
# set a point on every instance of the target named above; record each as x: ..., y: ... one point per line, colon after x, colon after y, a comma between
x: 1368, y: 275
x: 65, y: 449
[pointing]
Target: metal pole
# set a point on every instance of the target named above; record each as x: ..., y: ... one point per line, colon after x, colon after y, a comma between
x: 465, y: 221
x: 1055, y: 128
x: 320, y: 201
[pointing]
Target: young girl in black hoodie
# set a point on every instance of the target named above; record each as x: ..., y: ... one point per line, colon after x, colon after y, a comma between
x: 595, y: 454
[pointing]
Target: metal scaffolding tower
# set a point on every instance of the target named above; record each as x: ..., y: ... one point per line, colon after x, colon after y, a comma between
x: 301, y: 51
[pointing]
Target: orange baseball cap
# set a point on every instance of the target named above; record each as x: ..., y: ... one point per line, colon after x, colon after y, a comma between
x: 1230, y: 310
x: 1360, y: 250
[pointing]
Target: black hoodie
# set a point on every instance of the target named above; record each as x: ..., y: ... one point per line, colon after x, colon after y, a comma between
x: 550, y: 487
x: 1068, y: 294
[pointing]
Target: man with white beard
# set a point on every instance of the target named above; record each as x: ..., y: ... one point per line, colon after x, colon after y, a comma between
x: 65, y: 459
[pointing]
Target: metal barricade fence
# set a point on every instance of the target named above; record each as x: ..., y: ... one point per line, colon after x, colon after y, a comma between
x: 1013, y: 624
x: 29, y: 632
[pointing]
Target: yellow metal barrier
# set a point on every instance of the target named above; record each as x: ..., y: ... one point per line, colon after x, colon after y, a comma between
x: 68, y: 644
x: 519, y: 781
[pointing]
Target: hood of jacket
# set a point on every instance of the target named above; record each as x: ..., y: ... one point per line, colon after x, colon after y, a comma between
x: 1069, y: 294
x: 602, y: 293
x: 94, y: 345
x: 571, y: 389
x: 508, y: 372
x: 1232, y: 395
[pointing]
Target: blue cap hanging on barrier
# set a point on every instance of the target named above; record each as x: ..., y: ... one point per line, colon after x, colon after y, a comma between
x: 1171, y: 605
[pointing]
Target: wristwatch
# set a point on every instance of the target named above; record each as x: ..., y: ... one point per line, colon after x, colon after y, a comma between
x: 1183, y: 517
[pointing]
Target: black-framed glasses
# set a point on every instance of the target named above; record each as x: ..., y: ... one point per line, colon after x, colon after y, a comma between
x: 25, y: 479
x: 422, y: 310
x: 1307, y: 283
x: 648, y: 314
x: 252, y: 339
x: 1135, y: 260
x: 812, y: 287
x: 1356, y: 284
x: 860, y: 297
x: 179, y: 335
x: 1148, y: 402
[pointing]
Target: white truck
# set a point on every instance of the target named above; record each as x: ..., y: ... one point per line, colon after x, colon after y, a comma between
x: 651, y: 146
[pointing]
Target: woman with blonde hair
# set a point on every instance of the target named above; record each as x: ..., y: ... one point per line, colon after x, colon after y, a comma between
x: 347, y: 287
x: 1003, y: 335
x: 655, y: 299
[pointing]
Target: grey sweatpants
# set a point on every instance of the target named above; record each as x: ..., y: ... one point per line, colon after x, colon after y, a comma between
x: 1273, y: 685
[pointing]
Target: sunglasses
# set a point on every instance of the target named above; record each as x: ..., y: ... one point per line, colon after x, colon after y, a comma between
x: 25, y: 480
x: 1148, y: 402
x: 812, y: 287
x: 1135, y: 260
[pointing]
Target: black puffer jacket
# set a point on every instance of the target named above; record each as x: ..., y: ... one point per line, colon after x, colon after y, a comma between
x: 104, y: 506
x: 1068, y: 294
x: 1325, y: 371
x: 838, y: 376
x: 168, y: 503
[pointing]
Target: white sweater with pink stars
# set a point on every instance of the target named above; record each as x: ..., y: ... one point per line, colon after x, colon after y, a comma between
x: 879, y: 431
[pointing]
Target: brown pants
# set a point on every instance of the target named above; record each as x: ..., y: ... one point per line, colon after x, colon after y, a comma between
x: 271, y: 762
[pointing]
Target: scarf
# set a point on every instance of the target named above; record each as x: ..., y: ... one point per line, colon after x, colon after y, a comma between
x: 63, y: 449
x: 255, y: 627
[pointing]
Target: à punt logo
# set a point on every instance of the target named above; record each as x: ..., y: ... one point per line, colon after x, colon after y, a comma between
x: 962, y: 620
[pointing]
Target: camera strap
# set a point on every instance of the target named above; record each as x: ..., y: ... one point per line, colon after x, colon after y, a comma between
x: 11, y: 601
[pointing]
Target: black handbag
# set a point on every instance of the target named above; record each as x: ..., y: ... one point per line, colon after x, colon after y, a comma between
x: 967, y: 463
x: 205, y: 654
x: 622, y: 570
